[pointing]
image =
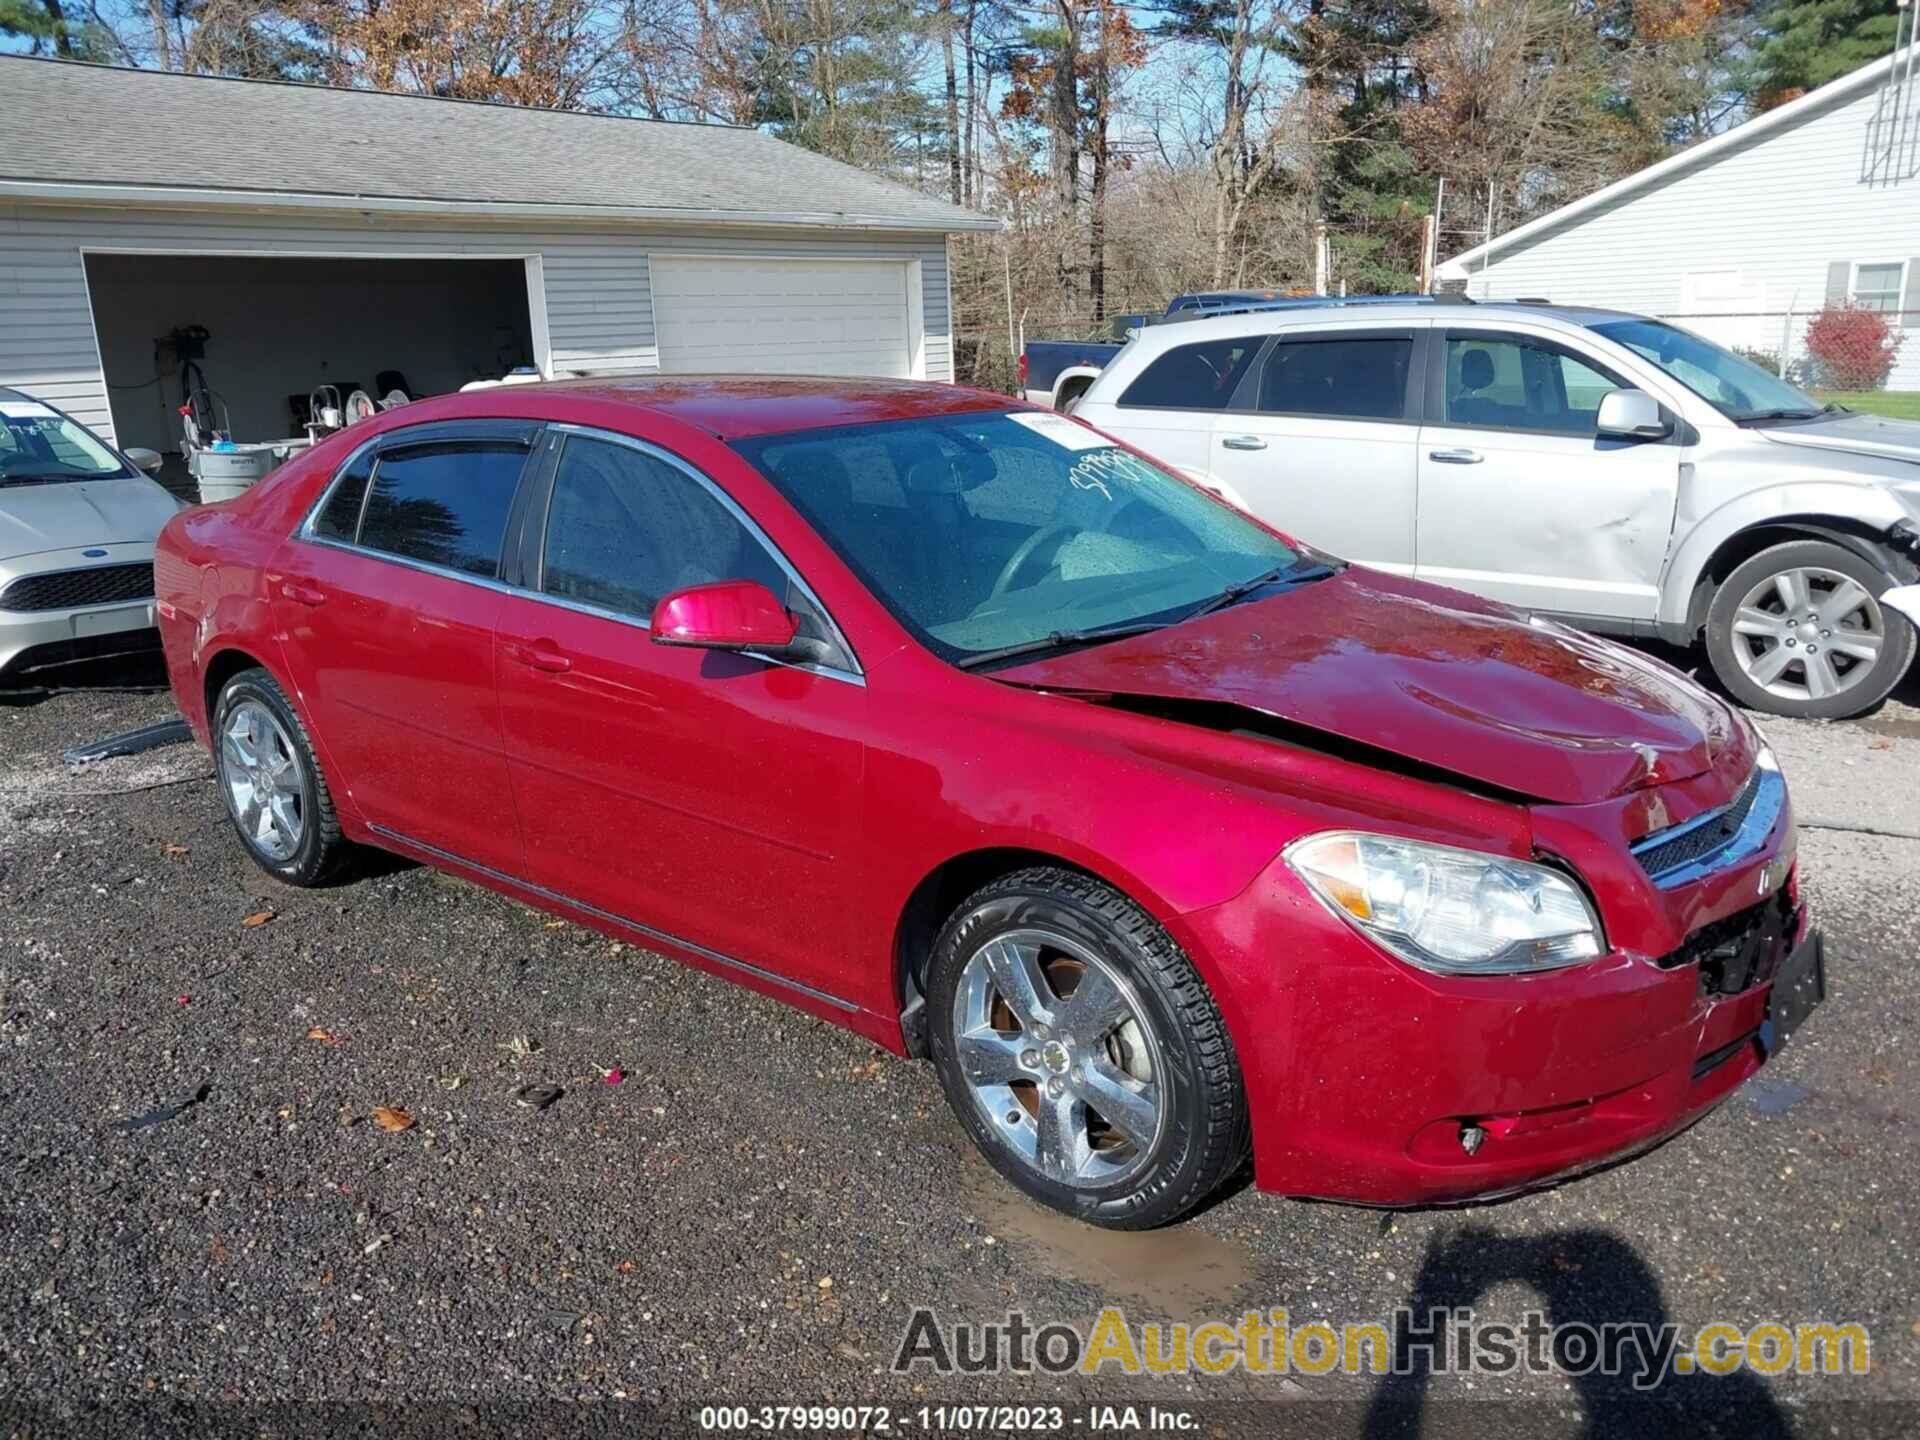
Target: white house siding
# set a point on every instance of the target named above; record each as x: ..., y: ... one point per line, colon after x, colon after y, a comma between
x: 1757, y: 228
x: 599, y: 312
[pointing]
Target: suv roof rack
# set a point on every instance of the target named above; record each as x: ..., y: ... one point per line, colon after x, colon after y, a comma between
x: 1311, y: 302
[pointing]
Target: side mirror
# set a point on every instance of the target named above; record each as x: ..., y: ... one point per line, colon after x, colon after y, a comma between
x: 147, y: 460
x: 727, y: 615
x: 1631, y: 415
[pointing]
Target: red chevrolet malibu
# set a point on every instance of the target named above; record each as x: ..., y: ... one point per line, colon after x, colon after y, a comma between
x: 956, y: 723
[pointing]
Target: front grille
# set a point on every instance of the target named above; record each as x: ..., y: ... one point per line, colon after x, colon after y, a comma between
x: 1741, y: 951
x: 1719, y: 839
x: 73, y: 589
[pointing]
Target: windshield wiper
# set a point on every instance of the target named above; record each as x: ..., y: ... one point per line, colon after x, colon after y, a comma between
x: 1294, y: 572
x: 1059, y: 640
x: 1783, y: 415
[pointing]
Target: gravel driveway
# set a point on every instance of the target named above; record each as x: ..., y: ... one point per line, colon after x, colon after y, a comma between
x: 753, y: 1212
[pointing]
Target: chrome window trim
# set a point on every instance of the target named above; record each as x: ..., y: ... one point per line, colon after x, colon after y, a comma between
x: 305, y: 534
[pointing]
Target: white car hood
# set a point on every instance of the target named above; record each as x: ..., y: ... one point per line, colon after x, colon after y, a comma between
x: 71, y: 514
x: 1871, y: 435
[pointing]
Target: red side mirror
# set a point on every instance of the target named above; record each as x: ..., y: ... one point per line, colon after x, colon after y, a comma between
x: 727, y: 615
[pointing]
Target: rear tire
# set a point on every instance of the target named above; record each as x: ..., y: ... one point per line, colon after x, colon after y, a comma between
x: 1126, y: 1109
x: 1798, y: 630
x: 270, y: 779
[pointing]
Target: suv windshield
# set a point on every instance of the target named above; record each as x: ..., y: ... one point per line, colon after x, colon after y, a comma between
x: 1007, y: 531
x: 1737, y: 388
x: 38, y: 444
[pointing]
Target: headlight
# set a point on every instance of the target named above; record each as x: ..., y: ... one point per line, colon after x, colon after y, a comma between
x: 1457, y: 912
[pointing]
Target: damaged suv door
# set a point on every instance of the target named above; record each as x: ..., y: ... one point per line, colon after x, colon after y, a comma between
x: 1522, y: 499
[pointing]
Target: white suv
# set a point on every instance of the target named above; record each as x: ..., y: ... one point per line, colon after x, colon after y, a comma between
x: 1612, y: 470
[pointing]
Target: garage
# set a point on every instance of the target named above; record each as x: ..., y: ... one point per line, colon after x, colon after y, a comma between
x: 725, y: 314
x: 266, y: 332
x: 482, y: 239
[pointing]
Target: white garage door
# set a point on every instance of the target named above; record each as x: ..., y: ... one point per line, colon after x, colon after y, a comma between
x: 793, y: 317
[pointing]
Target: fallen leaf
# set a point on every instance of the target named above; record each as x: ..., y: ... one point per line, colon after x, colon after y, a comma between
x: 347, y: 1117
x: 173, y: 850
x: 556, y: 924
x: 286, y: 1112
x: 613, y: 1076
x: 327, y: 1279
x: 452, y: 1082
x: 625, y: 1267
x: 323, y: 1035
x: 392, y: 1117
x: 256, y: 919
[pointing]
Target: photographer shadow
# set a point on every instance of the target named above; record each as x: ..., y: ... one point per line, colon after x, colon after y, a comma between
x: 1583, y: 1277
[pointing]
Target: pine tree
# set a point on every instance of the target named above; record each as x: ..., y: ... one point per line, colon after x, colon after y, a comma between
x: 1805, y: 43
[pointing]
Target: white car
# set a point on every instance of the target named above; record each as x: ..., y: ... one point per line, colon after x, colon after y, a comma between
x: 1612, y: 470
x: 77, y: 524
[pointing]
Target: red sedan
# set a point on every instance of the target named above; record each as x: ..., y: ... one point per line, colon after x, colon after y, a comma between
x: 956, y: 723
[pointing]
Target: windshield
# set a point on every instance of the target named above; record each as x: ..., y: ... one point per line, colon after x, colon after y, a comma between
x: 38, y: 444
x: 1737, y: 388
x: 991, y: 531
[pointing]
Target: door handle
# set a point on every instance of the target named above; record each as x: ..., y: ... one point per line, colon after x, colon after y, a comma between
x: 1456, y: 457
x: 541, y: 655
x: 302, y: 594
x: 1244, y: 442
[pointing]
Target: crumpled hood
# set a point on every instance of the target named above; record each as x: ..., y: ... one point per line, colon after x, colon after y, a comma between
x: 1872, y: 435
x: 1436, y: 676
x: 70, y: 514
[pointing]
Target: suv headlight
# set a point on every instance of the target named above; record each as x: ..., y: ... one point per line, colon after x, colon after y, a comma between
x: 1457, y: 912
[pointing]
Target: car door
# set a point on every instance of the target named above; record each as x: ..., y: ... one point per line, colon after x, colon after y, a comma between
x: 386, y: 601
x: 1326, y: 447
x: 710, y: 797
x: 1521, y: 499
x: 1168, y: 409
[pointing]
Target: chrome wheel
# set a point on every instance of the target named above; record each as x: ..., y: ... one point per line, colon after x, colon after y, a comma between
x: 1808, y: 633
x: 1059, y: 1058
x: 260, y: 772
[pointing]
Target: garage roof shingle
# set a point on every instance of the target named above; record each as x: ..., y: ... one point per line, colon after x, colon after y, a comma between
x: 63, y: 123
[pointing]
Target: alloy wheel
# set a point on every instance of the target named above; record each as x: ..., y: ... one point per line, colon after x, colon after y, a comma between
x: 1808, y: 633
x: 261, y: 774
x: 1058, y: 1056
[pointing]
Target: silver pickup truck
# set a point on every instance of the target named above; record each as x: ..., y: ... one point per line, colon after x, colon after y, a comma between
x: 1612, y: 470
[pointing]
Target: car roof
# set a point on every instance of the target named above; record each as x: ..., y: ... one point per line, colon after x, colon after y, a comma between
x: 1264, y: 319
x: 737, y: 407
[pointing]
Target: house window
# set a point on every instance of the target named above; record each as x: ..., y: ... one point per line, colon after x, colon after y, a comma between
x: 1878, y: 286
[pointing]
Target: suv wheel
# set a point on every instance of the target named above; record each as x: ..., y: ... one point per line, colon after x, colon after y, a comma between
x: 276, y: 796
x: 1799, y: 630
x: 1082, y: 1051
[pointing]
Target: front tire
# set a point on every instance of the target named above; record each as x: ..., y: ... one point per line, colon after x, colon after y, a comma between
x: 1082, y: 1051
x: 1798, y: 630
x: 270, y: 779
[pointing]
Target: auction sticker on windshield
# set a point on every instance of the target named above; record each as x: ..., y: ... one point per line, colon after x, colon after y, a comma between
x: 1060, y: 430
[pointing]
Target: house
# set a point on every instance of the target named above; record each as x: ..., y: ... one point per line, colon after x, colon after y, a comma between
x: 295, y: 236
x: 1745, y: 236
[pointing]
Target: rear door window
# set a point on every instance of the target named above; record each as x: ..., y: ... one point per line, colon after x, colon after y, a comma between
x: 1193, y: 377
x: 444, y: 502
x: 1346, y: 377
x: 339, y: 518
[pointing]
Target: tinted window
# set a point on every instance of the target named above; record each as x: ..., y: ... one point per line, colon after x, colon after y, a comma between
x: 339, y: 518
x: 1518, y: 384
x: 1351, y: 378
x: 625, y: 527
x: 1193, y: 377
x: 445, y: 504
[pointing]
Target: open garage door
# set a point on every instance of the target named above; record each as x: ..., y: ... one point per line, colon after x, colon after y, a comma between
x: 277, y: 327
x: 739, y: 315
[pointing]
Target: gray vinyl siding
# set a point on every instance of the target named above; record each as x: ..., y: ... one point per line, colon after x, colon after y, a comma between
x: 1789, y: 213
x: 598, y: 305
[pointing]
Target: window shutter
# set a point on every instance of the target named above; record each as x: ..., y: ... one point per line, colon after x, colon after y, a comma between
x: 1839, y: 276
x: 1910, y: 296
